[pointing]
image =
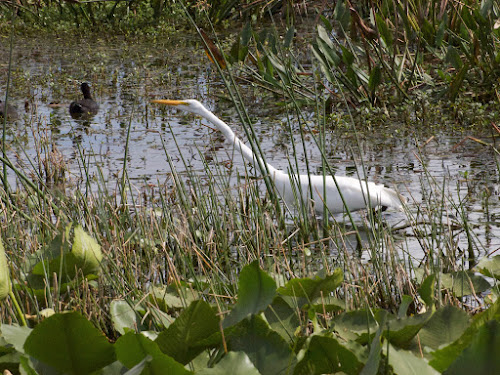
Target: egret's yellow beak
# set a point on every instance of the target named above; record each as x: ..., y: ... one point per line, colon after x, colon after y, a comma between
x: 168, y: 102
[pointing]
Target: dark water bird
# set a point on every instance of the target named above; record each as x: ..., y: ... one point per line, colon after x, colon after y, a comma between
x: 337, y: 193
x: 9, y: 111
x: 85, y: 107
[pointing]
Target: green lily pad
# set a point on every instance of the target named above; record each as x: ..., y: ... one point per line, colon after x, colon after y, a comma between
x: 5, y: 285
x: 490, y: 266
x: 232, y: 363
x: 256, y: 290
x: 181, y: 340
x: 76, y: 346
x: 86, y: 250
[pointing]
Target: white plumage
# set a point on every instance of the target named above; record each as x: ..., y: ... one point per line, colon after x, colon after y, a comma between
x: 356, y: 194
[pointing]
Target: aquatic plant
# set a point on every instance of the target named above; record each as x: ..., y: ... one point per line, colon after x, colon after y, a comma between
x: 164, y: 291
x: 298, y: 328
x: 381, y: 53
x: 206, y: 271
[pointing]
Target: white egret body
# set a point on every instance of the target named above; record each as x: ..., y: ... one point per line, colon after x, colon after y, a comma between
x: 356, y: 194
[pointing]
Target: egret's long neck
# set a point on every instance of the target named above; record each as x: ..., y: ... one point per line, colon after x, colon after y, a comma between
x: 240, y: 146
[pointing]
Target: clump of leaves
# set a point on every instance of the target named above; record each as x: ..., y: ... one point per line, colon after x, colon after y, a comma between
x: 269, y: 330
x: 72, y: 255
x: 383, y: 53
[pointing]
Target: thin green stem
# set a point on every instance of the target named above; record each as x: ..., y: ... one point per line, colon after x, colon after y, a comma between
x: 18, y: 309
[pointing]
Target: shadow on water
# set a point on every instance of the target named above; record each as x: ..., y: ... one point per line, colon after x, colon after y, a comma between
x: 126, y: 74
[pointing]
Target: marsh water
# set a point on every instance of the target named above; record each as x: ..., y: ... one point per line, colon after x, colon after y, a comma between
x: 422, y: 157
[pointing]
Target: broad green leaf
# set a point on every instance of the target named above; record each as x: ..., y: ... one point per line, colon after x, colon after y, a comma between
x: 482, y: 355
x: 156, y: 366
x: 115, y: 368
x: 324, y: 37
x: 173, y: 297
x: 246, y: 34
x: 123, y: 316
x: 400, y: 331
x: 48, y: 266
x: 140, y: 367
x: 347, y: 56
x: 86, y: 250
x: 282, y: 318
x: 444, y: 357
x: 384, y: 31
x: 58, y: 247
x: 375, y: 78
x: 485, y: 9
x: 359, y: 73
x: 165, y: 300
x: 290, y: 33
x: 453, y: 57
x: 342, y: 14
x: 275, y: 61
x: 133, y: 348
x: 373, y: 362
x: 256, y: 290
x: 326, y: 22
x: 445, y: 326
x: 326, y: 355
x: 68, y: 270
x: 76, y: 346
x: 403, y: 307
x: 428, y: 31
x: 405, y: 363
x: 426, y: 290
x: 356, y: 324
x: 10, y: 362
x: 233, y: 363
x: 440, y: 34
x: 326, y: 48
x: 5, y: 286
x: 490, y: 266
x: 361, y: 325
x: 85, y: 255
x: 464, y: 283
x: 25, y: 366
x: 234, y: 52
x: 15, y: 335
x: 324, y: 66
x: 328, y: 304
x: 242, y: 53
x: 201, y: 361
x: 456, y: 84
x: 313, y: 288
x: 195, y: 323
x: 267, y: 350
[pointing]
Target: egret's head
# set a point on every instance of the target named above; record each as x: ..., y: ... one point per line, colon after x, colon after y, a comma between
x: 189, y: 105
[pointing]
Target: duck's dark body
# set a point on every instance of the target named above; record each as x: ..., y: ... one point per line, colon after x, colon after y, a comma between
x: 10, y: 111
x: 85, y: 107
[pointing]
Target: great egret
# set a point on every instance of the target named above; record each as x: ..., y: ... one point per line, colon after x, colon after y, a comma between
x: 85, y: 107
x: 322, y: 190
x: 8, y: 111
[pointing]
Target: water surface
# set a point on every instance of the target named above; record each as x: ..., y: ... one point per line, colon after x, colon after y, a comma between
x: 126, y: 73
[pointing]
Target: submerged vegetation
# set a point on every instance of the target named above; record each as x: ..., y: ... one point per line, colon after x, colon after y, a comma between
x: 207, y: 272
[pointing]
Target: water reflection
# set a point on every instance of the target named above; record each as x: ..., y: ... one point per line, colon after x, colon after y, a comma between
x: 127, y: 74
